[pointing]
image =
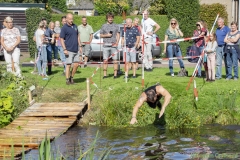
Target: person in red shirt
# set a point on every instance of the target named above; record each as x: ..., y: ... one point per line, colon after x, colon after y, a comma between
x: 200, y: 42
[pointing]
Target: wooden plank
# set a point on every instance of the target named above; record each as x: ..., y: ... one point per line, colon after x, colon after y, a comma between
x: 50, y: 114
x: 45, y: 118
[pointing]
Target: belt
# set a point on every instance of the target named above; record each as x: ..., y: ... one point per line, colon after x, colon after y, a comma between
x: 220, y: 45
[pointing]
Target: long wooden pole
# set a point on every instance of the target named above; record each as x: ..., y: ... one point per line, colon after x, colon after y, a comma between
x: 88, y: 93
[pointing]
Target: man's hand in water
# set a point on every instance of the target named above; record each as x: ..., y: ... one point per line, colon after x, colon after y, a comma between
x: 133, y: 121
x: 161, y: 112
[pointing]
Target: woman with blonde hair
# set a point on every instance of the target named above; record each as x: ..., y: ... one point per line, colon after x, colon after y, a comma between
x: 173, y: 49
x: 10, y: 39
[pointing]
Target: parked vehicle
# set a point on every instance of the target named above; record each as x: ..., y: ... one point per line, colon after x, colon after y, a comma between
x: 96, y: 48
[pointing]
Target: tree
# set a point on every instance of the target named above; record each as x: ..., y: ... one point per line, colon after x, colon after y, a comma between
x: 186, y: 12
x: 115, y: 6
x: 208, y: 13
x: 157, y: 7
x: 59, y: 4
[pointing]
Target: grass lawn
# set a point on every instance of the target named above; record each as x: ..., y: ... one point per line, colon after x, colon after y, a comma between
x: 113, y: 101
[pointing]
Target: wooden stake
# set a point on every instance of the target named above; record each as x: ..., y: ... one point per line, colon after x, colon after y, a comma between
x: 30, y: 96
x: 88, y: 93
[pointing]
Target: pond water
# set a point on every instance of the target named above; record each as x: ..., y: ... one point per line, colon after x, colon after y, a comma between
x: 151, y: 142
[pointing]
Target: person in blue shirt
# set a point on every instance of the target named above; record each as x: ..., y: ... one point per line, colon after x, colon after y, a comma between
x: 71, y: 47
x: 221, y: 33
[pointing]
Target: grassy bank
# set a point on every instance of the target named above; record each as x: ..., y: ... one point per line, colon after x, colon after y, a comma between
x: 113, y: 102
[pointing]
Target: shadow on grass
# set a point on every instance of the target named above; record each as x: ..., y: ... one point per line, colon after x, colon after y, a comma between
x: 79, y: 80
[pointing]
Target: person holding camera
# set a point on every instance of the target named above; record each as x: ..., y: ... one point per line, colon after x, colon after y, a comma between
x: 132, y: 41
x: 110, y: 34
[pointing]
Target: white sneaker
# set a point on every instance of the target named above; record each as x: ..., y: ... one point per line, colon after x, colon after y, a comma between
x: 172, y: 74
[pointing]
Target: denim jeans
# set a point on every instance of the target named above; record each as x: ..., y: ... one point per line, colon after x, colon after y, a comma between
x: 232, y: 62
x: 42, y: 60
x: 220, y: 56
x: 177, y: 54
x: 61, y: 55
x: 55, y: 51
x: 200, y: 64
x: 49, y: 58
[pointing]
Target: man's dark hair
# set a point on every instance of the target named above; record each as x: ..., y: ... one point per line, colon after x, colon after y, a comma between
x: 151, y: 94
x: 109, y: 15
x: 63, y: 17
x: 43, y: 19
x: 84, y: 17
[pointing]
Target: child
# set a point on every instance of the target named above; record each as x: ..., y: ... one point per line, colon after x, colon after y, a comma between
x: 211, y: 52
x: 57, y: 31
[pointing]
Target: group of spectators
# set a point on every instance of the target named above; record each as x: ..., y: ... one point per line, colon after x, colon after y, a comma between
x: 72, y: 41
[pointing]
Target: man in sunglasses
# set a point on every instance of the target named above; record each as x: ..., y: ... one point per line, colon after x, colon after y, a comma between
x: 148, y: 32
x: 152, y: 96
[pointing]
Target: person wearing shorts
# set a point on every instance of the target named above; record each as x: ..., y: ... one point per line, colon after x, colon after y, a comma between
x: 110, y: 34
x: 70, y: 44
x: 132, y: 41
x: 85, y: 33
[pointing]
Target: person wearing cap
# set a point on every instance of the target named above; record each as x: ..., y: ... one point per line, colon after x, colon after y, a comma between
x: 10, y: 39
x: 152, y: 96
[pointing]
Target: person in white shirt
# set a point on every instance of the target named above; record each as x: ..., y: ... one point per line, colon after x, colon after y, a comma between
x: 147, y: 31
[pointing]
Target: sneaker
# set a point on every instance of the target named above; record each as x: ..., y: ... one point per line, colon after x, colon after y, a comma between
x: 172, y: 74
x: 68, y: 82
x: 125, y: 77
x: 115, y: 77
x: 104, y: 77
x: 150, y: 70
x: 208, y: 80
x: 134, y: 77
x: 71, y: 80
x: 213, y: 80
x: 235, y: 79
x: 147, y: 70
x: 227, y: 79
x: 85, y: 65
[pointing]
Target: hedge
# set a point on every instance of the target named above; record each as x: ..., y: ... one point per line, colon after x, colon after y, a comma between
x: 208, y: 13
x: 186, y: 12
x: 33, y: 17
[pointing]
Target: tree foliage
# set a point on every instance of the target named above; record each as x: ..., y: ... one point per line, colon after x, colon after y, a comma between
x: 33, y: 17
x: 186, y: 12
x: 208, y: 13
x: 59, y: 4
x: 115, y: 6
x: 157, y: 7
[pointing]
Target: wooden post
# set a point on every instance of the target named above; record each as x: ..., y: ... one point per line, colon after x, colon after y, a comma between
x: 30, y: 96
x: 88, y: 93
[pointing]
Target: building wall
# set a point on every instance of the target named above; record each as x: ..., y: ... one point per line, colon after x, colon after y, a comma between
x: 82, y: 12
x: 229, y: 7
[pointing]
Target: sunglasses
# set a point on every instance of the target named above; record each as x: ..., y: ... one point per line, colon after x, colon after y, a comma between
x: 173, y: 23
x: 197, y: 24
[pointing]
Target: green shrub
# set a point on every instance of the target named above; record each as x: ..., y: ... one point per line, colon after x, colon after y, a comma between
x: 13, y: 97
x: 208, y: 13
x: 59, y: 4
x: 33, y: 17
x: 186, y: 12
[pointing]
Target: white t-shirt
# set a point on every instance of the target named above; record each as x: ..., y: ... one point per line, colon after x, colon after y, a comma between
x: 38, y: 35
x: 147, y: 26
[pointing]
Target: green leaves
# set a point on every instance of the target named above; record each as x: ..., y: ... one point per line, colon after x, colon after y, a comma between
x: 186, y: 12
x: 33, y: 17
x: 209, y: 12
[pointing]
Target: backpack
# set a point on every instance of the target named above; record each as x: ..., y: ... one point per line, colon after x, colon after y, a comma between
x: 182, y: 73
x: 193, y: 51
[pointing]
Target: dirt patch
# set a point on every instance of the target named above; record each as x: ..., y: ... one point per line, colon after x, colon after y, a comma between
x: 59, y: 95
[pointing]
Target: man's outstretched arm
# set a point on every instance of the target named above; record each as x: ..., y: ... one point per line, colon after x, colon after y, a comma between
x: 139, y: 103
x: 167, y: 98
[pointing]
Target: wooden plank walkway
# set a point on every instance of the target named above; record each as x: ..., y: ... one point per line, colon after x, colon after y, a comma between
x: 29, y: 129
